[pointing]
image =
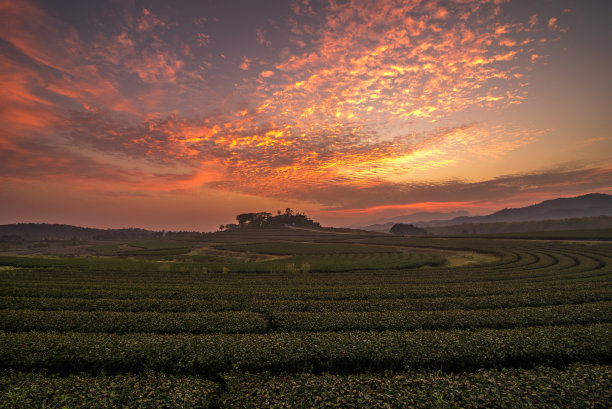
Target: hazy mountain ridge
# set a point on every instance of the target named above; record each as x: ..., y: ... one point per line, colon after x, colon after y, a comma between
x: 581, y: 223
x: 585, y: 206
x: 590, y: 205
x: 420, y: 219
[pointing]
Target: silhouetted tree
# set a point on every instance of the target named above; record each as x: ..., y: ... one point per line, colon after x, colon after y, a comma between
x: 407, y: 230
x: 263, y: 219
x: 244, y: 218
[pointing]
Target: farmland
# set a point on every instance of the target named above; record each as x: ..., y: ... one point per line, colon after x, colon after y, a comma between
x: 307, y: 318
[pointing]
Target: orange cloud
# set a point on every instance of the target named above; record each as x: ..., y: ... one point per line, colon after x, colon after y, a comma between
x: 376, y: 63
x: 429, y: 206
x: 245, y: 64
x: 358, y: 102
x: 148, y: 21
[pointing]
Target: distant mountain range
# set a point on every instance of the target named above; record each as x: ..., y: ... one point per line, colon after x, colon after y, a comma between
x: 573, y: 224
x: 590, y: 205
x: 418, y: 218
x: 593, y: 204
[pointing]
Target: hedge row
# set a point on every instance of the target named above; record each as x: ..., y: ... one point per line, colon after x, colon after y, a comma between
x: 20, y: 390
x: 578, y: 386
x: 522, y: 299
x: 600, y: 312
x: 130, y: 322
x: 346, y: 352
x: 249, y: 322
x: 315, y: 287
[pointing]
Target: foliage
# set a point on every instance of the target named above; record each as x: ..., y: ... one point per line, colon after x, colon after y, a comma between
x: 130, y: 322
x: 579, y: 385
x: 265, y: 219
x: 168, y: 330
x: 292, y: 248
x: 402, y: 229
x: 411, y: 320
x: 338, y: 352
x: 146, y: 390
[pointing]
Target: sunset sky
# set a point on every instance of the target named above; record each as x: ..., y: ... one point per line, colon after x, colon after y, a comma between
x: 178, y: 115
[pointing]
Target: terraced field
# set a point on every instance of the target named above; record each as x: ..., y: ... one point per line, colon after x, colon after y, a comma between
x: 372, y: 321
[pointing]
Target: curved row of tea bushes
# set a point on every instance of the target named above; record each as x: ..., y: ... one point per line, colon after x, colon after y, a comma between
x: 345, y: 352
x: 313, y: 287
x: 131, y: 322
x: 577, y: 386
x: 20, y: 390
x: 543, y: 297
x: 600, y: 312
x: 249, y: 322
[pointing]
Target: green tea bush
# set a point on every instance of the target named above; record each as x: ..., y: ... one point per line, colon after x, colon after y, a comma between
x: 345, y: 352
x: 600, y: 312
x: 147, y: 390
x: 577, y: 386
x: 130, y: 322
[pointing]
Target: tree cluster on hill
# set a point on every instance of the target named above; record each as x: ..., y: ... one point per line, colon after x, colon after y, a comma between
x: 408, y: 230
x: 265, y: 219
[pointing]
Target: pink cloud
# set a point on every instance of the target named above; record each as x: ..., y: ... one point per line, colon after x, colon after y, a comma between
x: 261, y: 37
x: 148, y: 21
x: 203, y: 39
x: 245, y: 64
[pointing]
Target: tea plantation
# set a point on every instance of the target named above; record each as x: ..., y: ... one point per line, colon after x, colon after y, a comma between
x: 300, y: 319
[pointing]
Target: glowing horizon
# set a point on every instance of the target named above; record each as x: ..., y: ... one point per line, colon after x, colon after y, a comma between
x: 144, y: 114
